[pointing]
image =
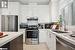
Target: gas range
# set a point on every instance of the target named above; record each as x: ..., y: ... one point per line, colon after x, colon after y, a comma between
x: 32, y: 32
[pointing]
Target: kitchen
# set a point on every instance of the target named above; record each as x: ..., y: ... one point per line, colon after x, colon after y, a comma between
x: 37, y: 24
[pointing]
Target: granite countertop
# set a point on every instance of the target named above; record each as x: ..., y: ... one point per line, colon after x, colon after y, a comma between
x: 65, y: 36
x: 10, y: 37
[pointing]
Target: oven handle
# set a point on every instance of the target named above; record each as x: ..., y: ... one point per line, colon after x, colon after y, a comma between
x: 32, y: 30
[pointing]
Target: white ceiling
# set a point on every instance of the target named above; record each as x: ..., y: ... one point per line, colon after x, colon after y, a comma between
x: 43, y: 2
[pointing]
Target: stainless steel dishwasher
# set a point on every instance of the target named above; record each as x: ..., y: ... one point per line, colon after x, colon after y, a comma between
x: 61, y: 44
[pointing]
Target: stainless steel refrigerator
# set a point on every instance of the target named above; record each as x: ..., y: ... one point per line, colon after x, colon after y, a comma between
x: 9, y: 23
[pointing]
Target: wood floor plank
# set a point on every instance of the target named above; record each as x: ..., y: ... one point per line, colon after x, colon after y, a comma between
x: 35, y: 47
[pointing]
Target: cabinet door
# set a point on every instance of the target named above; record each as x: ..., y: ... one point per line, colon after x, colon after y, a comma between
x: 48, y: 40
x: 5, y: 11
x: 13, y: 9
x: 51, y: 40
x: 42, y: 35
x: 43, y: 14
x: 17, y: 44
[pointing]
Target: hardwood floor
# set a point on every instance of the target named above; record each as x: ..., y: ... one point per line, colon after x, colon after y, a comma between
x: 35, y: 47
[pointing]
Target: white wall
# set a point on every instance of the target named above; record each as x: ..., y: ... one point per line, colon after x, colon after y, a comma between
x: 41, y: 11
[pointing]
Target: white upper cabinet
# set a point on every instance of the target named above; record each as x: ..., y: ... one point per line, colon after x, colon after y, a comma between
x: 40, y: 11
x: 4, y: 11
x: 43, y: 14
x: 13, y: 9
x: 54, y: 10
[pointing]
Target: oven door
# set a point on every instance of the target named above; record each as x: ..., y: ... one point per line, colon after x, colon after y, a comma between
x: 32, y: 34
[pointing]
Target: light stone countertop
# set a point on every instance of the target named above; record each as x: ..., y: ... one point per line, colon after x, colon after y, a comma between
x: 10, y: 37
x: 65, y: 36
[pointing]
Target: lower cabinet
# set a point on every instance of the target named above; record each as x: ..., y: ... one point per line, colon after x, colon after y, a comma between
x: 42, y: 35
x: 51, y: 40
x: 45, y: 35
x: 16, y: 44
x: 48, y: 40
